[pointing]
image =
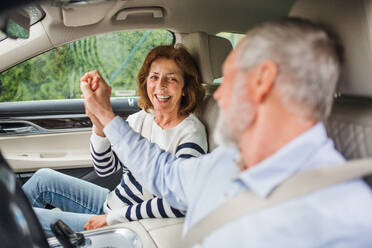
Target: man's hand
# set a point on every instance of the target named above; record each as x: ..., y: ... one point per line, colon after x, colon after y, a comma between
x: 97, y: 103
x: 96, y: 222
x: 89, y: 78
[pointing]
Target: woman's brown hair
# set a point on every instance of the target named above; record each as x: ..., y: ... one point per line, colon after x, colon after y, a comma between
x: 193, y: 90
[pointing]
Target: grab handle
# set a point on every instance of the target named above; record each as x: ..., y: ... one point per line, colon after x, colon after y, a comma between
x: 156, y: 12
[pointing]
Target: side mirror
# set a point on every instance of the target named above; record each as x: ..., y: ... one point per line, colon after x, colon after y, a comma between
x: 16, y: 24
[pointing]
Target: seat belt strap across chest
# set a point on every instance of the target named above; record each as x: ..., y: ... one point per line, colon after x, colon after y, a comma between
x: 297, y: 185
x: 147, y: 127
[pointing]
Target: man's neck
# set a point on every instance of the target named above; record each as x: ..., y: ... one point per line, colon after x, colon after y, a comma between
x: 268, y: 135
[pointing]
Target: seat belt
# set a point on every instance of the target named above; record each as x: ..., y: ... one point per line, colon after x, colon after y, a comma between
x: 299, y: 184
x: 147, y: 127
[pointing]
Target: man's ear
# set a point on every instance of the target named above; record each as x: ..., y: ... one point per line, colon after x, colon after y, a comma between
x: 265, y: 78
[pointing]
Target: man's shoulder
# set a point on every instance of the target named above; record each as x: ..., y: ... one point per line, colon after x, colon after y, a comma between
x: 349, y: 194
x: 342, y: 210
x: 344, y: 205
x: 324, y: 155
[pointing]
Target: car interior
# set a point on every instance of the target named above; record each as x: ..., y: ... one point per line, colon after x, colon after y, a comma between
x: 29, y: 139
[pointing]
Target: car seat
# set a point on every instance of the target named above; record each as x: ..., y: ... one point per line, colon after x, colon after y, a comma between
x: 209, y: 52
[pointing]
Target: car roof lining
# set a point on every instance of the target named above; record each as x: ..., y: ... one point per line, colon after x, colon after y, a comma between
x: 180, y: 17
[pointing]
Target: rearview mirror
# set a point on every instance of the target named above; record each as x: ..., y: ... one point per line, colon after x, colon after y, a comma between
x: 16, y: 24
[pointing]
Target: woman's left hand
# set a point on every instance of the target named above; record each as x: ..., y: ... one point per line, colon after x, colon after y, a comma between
x: 96, y: 222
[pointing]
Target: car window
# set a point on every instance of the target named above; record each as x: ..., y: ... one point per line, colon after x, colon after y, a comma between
x: 234, y: 38
x: 56, y: 74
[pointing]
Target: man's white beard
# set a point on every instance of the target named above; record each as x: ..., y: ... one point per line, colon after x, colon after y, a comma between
x: 222, y: 134
x: 240, y: 115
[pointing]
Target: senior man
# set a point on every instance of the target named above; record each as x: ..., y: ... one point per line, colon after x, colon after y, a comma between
x: 277, y: 89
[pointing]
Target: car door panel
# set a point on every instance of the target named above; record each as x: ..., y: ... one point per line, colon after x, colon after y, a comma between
x: 53, y: 134
x: 53, y: 150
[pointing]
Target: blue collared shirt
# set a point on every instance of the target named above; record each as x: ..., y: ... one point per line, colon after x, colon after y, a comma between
x: 339, y: 216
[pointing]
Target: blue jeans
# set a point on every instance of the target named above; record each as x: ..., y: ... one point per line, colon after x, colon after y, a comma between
x: 79, y: 200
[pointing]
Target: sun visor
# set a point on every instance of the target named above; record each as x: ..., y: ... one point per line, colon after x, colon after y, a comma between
x: 85, y: 13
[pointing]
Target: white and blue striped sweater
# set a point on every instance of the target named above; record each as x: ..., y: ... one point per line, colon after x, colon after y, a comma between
x: 130, y: 201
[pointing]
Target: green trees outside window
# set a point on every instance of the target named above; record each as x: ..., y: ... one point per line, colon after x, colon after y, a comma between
x: 56, y: 74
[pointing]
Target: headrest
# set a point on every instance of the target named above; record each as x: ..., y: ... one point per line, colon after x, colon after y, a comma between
x: 352, y: 23
x: 209, y: 52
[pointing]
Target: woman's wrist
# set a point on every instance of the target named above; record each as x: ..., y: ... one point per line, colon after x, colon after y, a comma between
x: 98, y: 131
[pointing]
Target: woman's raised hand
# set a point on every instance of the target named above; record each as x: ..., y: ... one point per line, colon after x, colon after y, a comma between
x: 97, y: 125
x: 97, y: 104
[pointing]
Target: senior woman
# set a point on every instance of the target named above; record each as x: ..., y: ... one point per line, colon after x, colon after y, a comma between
x: 170, y: 90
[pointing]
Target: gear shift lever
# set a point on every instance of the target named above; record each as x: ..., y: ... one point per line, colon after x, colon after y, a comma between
x: 66, y: 237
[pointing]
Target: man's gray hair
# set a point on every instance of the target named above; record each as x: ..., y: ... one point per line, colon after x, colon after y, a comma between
x: 308, y: 60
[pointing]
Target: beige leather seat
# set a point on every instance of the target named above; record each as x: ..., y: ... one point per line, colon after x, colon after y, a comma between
x: 209, y: 52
